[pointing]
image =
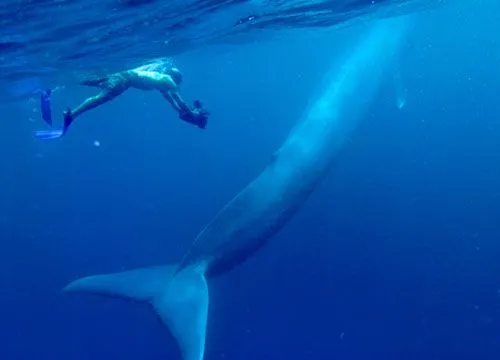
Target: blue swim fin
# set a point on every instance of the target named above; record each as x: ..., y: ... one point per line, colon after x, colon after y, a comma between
x: 56, y: 134
x: 45, y: 106
x: 48, y: 134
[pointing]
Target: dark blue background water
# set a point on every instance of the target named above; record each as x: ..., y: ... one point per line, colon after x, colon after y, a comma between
x: 396, y: 256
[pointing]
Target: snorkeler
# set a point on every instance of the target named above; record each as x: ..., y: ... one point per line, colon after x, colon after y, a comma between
x: 155, y: 76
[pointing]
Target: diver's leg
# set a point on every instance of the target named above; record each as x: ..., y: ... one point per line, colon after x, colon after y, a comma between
x: 111, y: 86
x: 95, y: 82
x: 115, y: 86
x: 95, y: 101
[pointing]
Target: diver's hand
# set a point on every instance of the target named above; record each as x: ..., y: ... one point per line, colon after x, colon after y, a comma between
x: 195, y: 116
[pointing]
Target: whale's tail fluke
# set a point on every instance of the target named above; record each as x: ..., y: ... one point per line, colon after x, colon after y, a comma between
x: 181, y: 301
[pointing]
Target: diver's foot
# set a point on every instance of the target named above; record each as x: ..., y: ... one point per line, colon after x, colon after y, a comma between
x: 68, y: 119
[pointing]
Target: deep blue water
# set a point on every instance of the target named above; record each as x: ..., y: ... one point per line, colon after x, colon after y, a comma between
x: 395, y: 256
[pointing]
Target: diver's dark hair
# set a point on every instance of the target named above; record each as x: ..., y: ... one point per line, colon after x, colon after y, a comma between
x: 176, y: 75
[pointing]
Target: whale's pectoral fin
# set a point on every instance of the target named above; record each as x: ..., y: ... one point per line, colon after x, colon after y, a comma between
x: 180, y: 301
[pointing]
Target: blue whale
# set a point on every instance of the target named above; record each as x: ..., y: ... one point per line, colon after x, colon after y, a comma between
x: 179, y: 293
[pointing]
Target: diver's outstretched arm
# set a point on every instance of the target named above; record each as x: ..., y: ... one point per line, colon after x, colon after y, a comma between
x: 172, y: 102
x: 196, y: 116
x: 175, y: 99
